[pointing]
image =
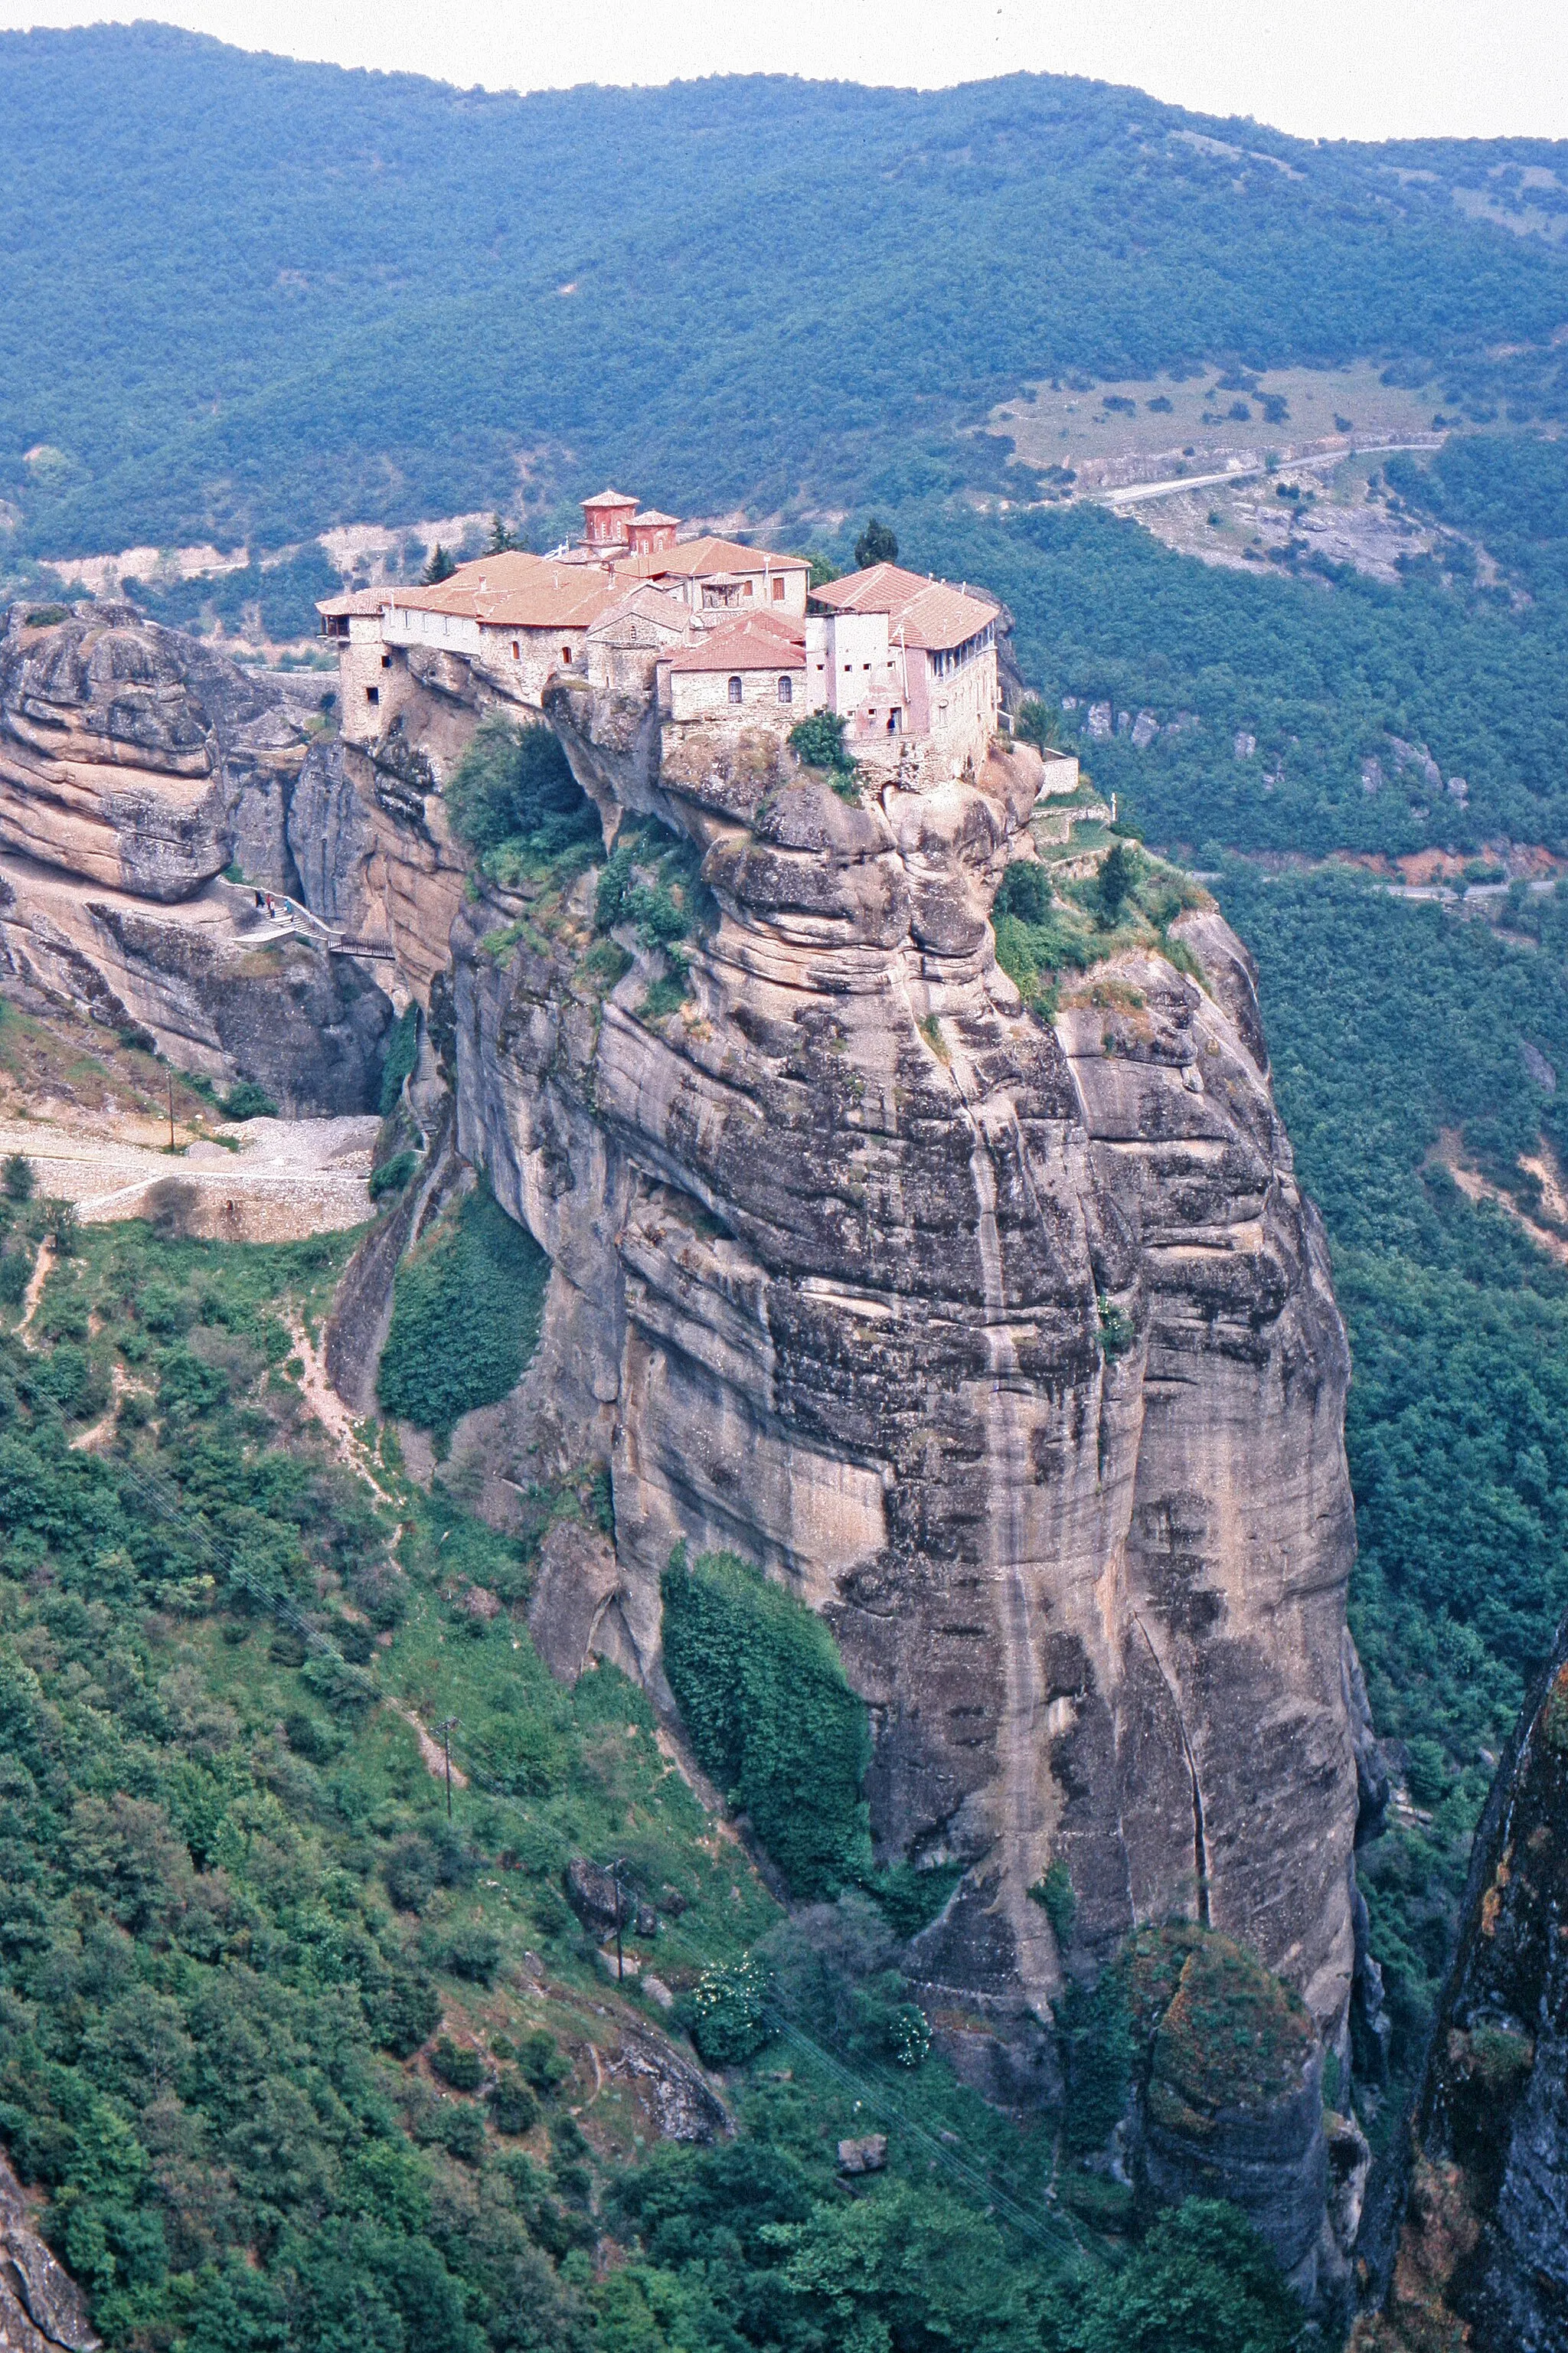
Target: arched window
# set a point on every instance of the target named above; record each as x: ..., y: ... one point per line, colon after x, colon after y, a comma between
x: 786, y: 690
x: 734, y: 690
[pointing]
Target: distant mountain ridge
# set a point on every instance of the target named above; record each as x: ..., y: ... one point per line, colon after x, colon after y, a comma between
x: 258, y: 297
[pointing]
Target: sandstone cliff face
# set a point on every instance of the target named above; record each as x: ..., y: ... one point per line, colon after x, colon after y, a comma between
x: 40, y: 2308
x: 1483, y: 2257
x: 1011, y: 1348
x: 135, y: 764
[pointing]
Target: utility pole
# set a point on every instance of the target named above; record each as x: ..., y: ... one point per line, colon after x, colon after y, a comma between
x: 446, y: 1725
x: 620, y: 1965
x: 171, y: 1111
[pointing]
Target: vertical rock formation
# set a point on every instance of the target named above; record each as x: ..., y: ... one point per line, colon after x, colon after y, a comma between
x: 135, y: 766
x: 1483, y: 2257
x: 1009, y: 1346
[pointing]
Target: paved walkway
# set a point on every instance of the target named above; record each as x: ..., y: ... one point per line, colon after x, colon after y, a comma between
x: 288, y: 1178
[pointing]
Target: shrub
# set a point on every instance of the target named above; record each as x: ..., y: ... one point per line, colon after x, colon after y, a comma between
x: 819, y: 741
x: 462, y: 2068
x: 876, y: 545
x: 770, y: 1715
x: 1025, y: 891
x: 19, y: 1177
x: 393, y: 1174
x: 465, y: 1319
x: 513, y: 2107
x: 404, y: 2012
x: 473, y: 1953
x: 402, y: 1054
x: 514, y: 787
x: 539, y: 2057
x: 1116, y: 882
x: 247, y: 1101
x: 728, y: 2012
x: 1055, y: 1896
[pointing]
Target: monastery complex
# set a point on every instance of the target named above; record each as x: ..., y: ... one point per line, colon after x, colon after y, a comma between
x: 704, y: 632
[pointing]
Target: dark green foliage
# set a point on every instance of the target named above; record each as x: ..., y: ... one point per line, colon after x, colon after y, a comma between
x: 458, y: 2066
x: 402, y: 1057
x: 1055, y: 1896
x: 247, y: 1101
x: 393, y: 1174
x: 876, y: 545
x: 1322, y: 674
x: 427, y: 380
x: 541, y: 2063
x: 1025, y: 891
x: 1117, y: 880
x: 515, y: 797
x: 819, y: 741
x: 1203, y: 2282
x: 440, y: 566
x: 727, y: 2010
x: 465, y: 1318
x: 763, y: 1696
x: 19, y: 1177
x: 469, y: 1953
x: 1392, y: 1025
x: 512, y: 2105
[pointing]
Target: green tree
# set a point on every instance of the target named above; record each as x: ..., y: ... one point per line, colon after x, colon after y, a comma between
x: 19, y: 1177
x: 1116, y: 882
x: 500, y: 541
x: 440, y: 566
x: 876, y: 545
x: 1203, y: 2282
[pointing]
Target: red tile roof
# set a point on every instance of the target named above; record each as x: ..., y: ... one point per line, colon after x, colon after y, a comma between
x: 515, y: 591
x: 608, y: 499
x: 357, y: 604
x: 699, y: 559
x: 652, y: 516
x: 931, y: 614
x: 744, y: 645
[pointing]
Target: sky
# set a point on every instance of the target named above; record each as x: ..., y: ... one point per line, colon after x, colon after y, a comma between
x: 1320, y: 68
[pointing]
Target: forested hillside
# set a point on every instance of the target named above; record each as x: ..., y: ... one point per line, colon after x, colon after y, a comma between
x: 254, y: 298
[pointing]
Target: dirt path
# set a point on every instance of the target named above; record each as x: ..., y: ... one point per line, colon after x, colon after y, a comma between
x: 430, y: 1748
x: 338, y: 1423
x: 35, y: 1290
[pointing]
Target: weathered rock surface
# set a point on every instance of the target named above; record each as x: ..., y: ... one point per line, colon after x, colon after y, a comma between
x: 1012, y: 1349
x: 135, y: 764
x: 1483, y: 2256
x: 41, y: 2307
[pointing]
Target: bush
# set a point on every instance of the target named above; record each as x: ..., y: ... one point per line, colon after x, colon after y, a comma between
x: 876, y: 545
x: 1025, y: 891
x: 819, y: 741
x: 247, y: 1101
x: 764, y: 1695
x: 465, y: 1319
x: 514, y: 788
x: 513, y: 2107
x: 462, y: 2068
x: 540, y: 2058
x: 403, y: 2013
x: 1116, y: 882
x: 402, y: 1054
x: 727, y: 2007
x: 393, y: 1174
x: 20, y: 1178
x: 472, y: 1953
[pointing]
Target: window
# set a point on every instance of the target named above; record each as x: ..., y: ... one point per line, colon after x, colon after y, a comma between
x: 516, y: 651
x: 372, y: 695
x: 786, y: 690
x: 746, y: 587
x: 895, y: 723
x: 734, y: 690
x: 387, y: 661
x: 778, y: 588
x: 565, y: 653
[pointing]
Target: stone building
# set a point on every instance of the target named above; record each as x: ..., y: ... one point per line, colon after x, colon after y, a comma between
x: 702, y: 633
